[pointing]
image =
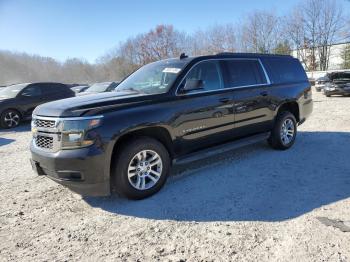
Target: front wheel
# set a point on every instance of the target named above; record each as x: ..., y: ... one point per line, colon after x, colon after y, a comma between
x: 10, y: 118
x: 141, y: 168
x: 284, y: 131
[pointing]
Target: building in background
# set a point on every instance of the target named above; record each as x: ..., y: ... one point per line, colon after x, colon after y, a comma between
x: 338, y: 59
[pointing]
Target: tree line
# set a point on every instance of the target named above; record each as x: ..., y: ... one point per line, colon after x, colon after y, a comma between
x: 310, y: 28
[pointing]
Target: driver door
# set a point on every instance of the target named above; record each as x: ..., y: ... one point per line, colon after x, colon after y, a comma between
x: 30, y: 97
x: 205, y: 115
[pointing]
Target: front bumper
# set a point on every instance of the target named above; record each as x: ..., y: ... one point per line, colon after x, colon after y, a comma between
x: 319, y: 87
x: 84, y: 171
x: 337, y: 91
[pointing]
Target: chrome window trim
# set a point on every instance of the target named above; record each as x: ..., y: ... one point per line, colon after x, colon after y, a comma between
x: 268, y: 81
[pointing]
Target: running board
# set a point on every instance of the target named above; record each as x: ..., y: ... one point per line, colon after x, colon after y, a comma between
x: 215, y: 150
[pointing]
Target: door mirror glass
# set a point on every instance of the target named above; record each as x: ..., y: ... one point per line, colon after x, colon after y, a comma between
x: 193, y: 84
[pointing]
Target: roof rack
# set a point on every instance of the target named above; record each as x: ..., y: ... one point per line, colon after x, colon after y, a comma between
x: 226, y: 53
x: 248, y: 54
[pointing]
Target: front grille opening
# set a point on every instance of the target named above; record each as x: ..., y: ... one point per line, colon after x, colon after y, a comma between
x: 45, y: 142
x: 44, y: 123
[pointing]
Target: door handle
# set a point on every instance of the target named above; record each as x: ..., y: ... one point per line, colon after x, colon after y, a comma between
x: 263, y: 93
x: 224, y: 100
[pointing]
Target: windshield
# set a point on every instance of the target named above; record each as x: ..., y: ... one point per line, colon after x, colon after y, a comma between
x: 12, y: 91
x: 340, y: 76
x: 98, y: 87
x: 154, y: 78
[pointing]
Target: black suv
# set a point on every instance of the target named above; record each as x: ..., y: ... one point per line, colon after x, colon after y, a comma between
x: 17, y: 102
x: 169, y: 112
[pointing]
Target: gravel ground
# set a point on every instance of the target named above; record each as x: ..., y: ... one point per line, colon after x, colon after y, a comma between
x: 254, y: 204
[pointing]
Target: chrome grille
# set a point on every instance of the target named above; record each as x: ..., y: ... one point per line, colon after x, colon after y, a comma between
x: 44, y: 123
x: 44, y: 142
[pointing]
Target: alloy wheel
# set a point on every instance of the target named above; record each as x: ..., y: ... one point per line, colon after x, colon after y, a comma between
x: 145, y: 170
x: 11, y: 119
x: 287, y: 131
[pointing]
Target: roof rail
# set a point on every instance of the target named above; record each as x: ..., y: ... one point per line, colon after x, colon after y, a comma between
x: 226, y: 53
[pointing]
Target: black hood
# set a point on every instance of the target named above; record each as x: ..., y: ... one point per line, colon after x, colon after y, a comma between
x: 6, y: 100
x: 89, y: 104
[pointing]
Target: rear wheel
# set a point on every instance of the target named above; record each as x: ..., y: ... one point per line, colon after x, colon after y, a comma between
x: 284, y: 131
x: 10, y: 118
x: 141, y: 168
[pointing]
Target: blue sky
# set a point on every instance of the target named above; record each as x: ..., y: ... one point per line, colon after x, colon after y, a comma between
x: 87, y: 29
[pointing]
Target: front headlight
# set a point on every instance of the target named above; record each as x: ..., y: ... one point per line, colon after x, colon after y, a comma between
x: 74, y: 132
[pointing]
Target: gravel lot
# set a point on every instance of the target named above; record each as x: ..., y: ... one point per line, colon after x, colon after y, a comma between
x: 255, y: 204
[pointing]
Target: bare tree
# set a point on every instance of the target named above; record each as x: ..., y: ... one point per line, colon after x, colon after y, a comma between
x: 261, y: 32
x: 216, y: 39
x: 330, y: 26
x: 313, y: 27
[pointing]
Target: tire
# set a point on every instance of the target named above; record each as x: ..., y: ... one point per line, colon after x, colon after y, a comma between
x: 130, y: 160
x: 276, y: 139
x: 328, y: 95
x: 10, y: 118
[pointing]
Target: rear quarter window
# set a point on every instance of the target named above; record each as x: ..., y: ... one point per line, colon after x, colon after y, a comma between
x: 285, y: 70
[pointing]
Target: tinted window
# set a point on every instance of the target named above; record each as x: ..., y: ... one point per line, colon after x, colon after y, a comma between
x: 244, y: 73
x: 51, y: 88
x: 286, y: 70
x: 209, y: 73
x: 32, y: 90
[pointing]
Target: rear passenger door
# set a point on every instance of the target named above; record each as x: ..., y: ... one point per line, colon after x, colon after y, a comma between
x: 52, y: 92
x: 248, y: 81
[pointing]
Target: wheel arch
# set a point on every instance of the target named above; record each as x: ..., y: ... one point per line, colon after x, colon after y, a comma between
x: 14, y: 109
x: 291, y: 106
x: 159, y: 133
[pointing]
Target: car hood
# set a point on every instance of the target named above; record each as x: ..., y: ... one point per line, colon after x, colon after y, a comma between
x: 87, y: 93
x: 89, y: 104
x: 5, y: 100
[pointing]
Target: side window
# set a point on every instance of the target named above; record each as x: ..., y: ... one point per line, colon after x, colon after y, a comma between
x: 47, y: 89
x: 209, y: 73
x: 286, y: 70
x: 32, y: 90
x: 244, y: 73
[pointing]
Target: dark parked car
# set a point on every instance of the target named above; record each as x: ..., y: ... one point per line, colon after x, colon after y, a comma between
x: 321, y: 82
x: 338, y: 84
x: 80, y: 88
x: 169, y: 112
x: 99, y: 88
x: 17, y: 102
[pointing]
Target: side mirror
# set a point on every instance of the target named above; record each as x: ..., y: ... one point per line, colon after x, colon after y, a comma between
x: 193, y: 84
